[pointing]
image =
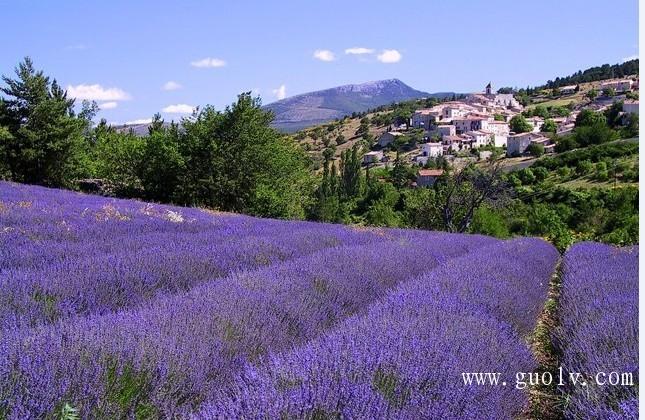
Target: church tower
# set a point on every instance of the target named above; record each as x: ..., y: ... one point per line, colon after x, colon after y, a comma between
x: 489, y: 89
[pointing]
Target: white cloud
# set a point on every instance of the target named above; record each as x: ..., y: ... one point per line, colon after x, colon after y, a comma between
x: 631, y: 57
x: 389, y: 56
x: 170, y: 85
x: 280, y: 92
x: 140, y: 121
x: 359, y: 51
x: 324, y: 55
x: 208, y: 62
x: 97, y: 93
x: 179, y: 109
x: 108, y: 105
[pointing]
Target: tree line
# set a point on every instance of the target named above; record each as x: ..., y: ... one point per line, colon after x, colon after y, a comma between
x: 231, y: 160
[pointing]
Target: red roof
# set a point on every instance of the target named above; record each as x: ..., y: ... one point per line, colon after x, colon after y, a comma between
x: 430, y: 172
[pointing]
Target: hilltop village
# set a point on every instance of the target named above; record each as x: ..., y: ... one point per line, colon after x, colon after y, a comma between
x: 433, y: 133
x: 484, y: 121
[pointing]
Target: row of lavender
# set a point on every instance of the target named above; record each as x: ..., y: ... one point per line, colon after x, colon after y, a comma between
x: 405, y: 357
x: 598, y: 336
x: 125, y: 309
x: 159, y: 348
x: 64, y: 254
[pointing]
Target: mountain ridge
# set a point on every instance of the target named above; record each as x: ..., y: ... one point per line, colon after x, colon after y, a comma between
x: 321, y: 106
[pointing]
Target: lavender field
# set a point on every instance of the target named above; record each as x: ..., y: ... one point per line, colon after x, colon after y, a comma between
x: 124, y: 309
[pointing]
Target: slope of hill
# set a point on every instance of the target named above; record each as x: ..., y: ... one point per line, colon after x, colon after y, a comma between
x: 308, y: 109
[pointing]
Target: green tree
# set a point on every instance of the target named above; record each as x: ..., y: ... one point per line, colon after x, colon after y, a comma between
x: 549, y: 126
x: 613, y: 114
x: 117, y: 159
x: 350, y: 166
x: 489, y: 221
x: 541, y: 111
x: 535, y: 149
x: 161, y: 163
x: 591, y: 94
x: 45, y: 144
x: 631, y: 126
x: 587, y: 117
x: 594, y: 134
x: 566, y: 143
x: 519, y: 124
x: 584, y: 167
x: 454, y: 199
x: 237, y: 162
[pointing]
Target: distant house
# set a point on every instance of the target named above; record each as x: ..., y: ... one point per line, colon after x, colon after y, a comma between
x: 568, y: 90
x: 479, y: 138
x: 372, y: 157
x: 446, y: 130
x: 425, y: 118
x: 500, y: 130
x: 624, y: 85
x: 427, y: 177
x: 387, y: 138
x: 536, y: 123
x: 518, y: 143
x: 630, y: 107
x: 455, y: 143
x: 432, y: 149
x: 471, y: 123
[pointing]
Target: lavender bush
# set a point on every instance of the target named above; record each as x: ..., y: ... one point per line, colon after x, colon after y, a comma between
x: 405, y: 356
x: 599, y: 331
x: 154, y: 331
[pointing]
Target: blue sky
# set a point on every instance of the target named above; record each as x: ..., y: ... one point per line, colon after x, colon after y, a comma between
x: 123, y: 53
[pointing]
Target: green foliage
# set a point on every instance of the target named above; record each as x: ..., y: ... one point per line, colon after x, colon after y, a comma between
x: 389, y: 385
x: 541, y: 111
x: 594, y: 154
x: 588, y: 118
x: 519, y: 124
x: 127, y: 393
x: 488, y: 221
x: 526, y: 176
x: 563, y: 171
x: 540, y: 173
x: 499, y: 117
x: 69, y: 413
x: 535, y: 149
x: 42, y: 138
x: 237, y: 162
x: 545, y: 221
x: 117, y: 158
x: 613, y: 114
x: 350, y: 166
x: 592, y: 94
x: 549, y: 126
x: 584, y: 167
x: 565, y: 143
x: 596, y: 73
x: 631, y: 126
x: 595, y: 134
